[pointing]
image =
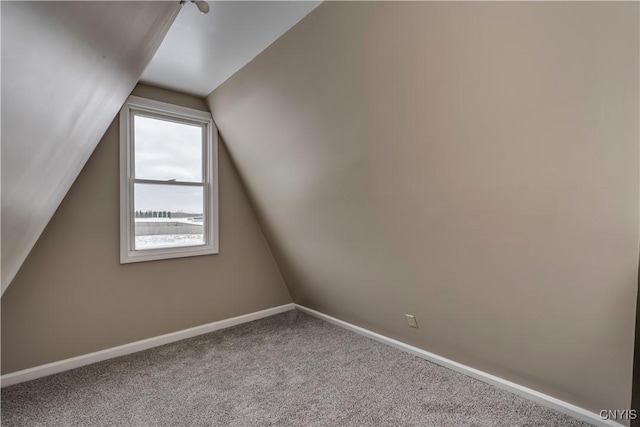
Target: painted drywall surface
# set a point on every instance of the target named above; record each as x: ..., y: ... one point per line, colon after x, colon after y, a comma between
x: 72, y: 296
x: 67, y: 67
x: 201, y: 51
x: 473, y: 164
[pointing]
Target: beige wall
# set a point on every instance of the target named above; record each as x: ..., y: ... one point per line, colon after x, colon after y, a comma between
x: 475, y: 164
x: 73, y: 297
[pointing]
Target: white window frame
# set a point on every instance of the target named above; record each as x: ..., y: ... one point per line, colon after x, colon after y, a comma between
x: 162, y: 110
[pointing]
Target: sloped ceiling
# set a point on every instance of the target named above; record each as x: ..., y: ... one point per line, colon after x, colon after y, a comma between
x: 472, y: 163
x: 67, y: 68
x: 202, y: 51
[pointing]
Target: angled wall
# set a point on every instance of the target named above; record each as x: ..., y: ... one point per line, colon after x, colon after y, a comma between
x: 72, y: 296
x: 67, y: 68
x: 474, y: 164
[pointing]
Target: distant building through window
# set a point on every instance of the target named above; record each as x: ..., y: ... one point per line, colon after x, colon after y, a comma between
x: 169, y: 197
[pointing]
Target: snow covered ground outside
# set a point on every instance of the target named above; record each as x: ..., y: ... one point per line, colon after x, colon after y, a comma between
x: 194, y: 221
x: 168, y: 240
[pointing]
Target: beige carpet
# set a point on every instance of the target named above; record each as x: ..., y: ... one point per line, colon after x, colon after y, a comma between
x: 286, y: 370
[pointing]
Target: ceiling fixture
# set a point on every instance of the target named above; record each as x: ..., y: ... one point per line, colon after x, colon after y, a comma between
x: 202, y: 5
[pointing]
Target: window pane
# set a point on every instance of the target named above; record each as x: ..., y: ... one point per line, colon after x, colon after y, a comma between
x: 167, y: 150
x: 168, y: 216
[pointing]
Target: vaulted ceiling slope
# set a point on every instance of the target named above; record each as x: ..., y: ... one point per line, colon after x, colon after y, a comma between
x: 67, y: 68
x: 202, y: 51
x: 472, y: 163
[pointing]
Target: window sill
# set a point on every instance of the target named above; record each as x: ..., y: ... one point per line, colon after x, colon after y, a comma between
x: 167, y: 253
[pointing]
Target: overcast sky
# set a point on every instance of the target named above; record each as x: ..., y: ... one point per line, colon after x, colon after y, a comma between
x: 164, y: 151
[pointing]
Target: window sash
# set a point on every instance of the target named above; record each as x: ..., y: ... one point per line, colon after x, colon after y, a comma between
x: 205, y: 212
x: 159, y: 116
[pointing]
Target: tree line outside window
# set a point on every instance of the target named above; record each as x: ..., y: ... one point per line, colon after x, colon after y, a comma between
x: 153, y: 214
x: 166, y: 214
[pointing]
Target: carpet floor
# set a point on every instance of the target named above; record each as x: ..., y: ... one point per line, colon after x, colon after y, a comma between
x: 286, y: 370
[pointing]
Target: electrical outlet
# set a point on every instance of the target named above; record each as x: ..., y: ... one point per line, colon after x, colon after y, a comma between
x: 411, y: 320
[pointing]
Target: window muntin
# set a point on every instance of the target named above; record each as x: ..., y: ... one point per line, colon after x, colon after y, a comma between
x: 168, y: 182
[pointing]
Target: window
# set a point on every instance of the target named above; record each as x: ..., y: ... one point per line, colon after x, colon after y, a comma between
x: 168, y: 182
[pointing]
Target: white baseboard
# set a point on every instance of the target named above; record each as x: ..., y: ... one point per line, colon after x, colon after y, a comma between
x: 98, y: 356
x: 527, y: 393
